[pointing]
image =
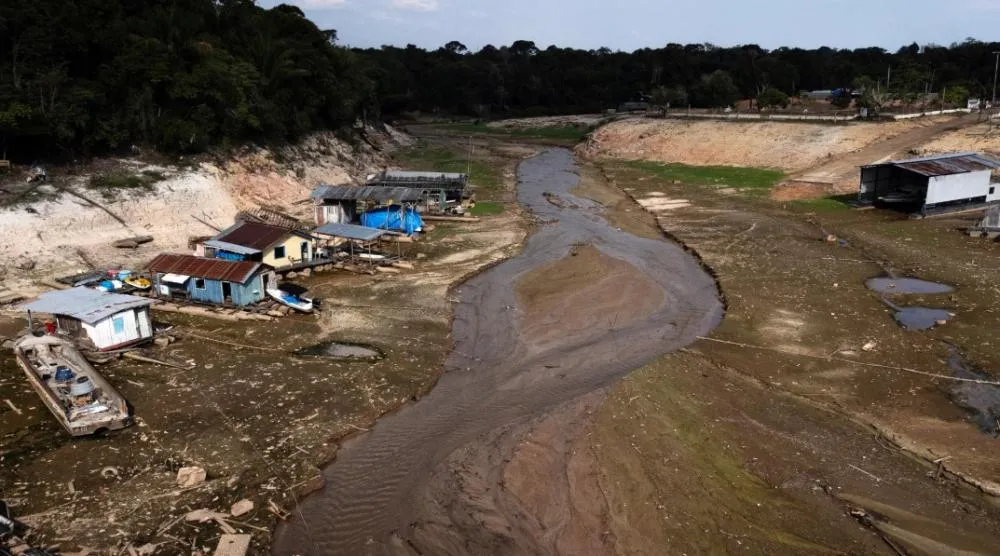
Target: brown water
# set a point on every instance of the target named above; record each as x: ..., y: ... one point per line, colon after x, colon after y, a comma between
x: 380, y: 483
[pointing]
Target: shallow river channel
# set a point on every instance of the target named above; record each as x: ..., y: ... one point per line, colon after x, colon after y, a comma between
x: 379, y: 488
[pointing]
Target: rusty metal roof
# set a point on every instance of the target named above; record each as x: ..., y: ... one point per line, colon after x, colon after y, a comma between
x: 201, y: 267
x: 945, y: 164
x: 255, y: 235
x: 365, y: 193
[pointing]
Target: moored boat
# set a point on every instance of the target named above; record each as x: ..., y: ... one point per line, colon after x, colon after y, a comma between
x: 77, y: 395
x: 297, y: 302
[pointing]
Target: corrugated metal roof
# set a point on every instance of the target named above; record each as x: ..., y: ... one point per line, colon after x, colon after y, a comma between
x: 365, y: 193
x: 419, y: 180
x: 231, y: 247
x: 421, y: 175
x: 945, y: 164
x: 201, y: 267
x: 255, y: 235
x: 349, y: 231
x: 85, y: 304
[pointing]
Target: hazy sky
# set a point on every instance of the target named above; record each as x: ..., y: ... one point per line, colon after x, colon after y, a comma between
x: 631, y: 24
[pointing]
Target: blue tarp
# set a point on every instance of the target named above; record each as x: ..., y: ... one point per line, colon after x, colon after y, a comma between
x: 393, y: 218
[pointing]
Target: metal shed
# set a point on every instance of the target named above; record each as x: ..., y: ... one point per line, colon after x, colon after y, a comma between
x: 216, y: 281
x: 931, y: 184
x: 108, y: 320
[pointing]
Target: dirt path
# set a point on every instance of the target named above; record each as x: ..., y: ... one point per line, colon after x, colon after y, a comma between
x: 840, y: 173
x: 429, y: 479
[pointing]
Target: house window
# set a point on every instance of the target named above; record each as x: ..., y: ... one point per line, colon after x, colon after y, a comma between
x: 199, y: 283
x: 279, y: 252
x: 118, y: 323
x: 992, y: 189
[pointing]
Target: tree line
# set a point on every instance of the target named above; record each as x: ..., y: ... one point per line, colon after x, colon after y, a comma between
x: 522, y: 79
x: 81, y: 77
x: 95, y: 76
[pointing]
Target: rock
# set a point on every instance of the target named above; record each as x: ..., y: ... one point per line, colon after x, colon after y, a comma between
x: 677, y: 182
x: 161, y: 341
x: 940, y: 322
x: 421, y: 255
x: 306, y: 272
x: 203, y: 515
x: 869, y: 346
x: 240, y: 508
x: 190, y: 476
x: 830, y: 238
x: 275, y: 313
x: 292, y: 274
x: 284, y: 310
x: 25, y: 264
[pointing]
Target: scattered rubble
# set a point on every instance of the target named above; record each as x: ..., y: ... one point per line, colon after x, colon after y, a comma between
x: 241, y: 508
x: 190, y: 476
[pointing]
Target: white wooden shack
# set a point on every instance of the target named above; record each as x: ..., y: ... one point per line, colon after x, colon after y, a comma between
x: 108, y: 320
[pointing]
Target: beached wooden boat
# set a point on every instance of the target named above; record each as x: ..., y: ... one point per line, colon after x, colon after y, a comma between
x: 299, y: 303
x: 77, y: 395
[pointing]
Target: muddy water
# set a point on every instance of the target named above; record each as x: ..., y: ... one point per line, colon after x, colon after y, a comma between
x: 380, y: 484
x: 886, y: 284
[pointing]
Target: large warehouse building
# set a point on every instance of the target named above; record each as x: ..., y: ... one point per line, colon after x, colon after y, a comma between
x: 932, y: 184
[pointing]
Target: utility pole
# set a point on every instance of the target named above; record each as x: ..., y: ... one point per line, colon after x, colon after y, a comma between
x: 995, y: 68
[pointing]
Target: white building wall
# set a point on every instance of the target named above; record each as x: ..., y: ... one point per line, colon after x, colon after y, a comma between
x: 135, y: 324
x: 942, y: 189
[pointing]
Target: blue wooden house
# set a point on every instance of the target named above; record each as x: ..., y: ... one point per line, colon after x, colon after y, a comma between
x: 215, y: 281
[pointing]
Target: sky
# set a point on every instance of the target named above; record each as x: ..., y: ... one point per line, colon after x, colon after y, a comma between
x: 632, y: 24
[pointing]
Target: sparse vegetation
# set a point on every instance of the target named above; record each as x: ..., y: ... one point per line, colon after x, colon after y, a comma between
x: 486, y: 208
x: 826, y: 204
x: 717, y: 176
x: 115, y: 182
x: 569, y: 133
x: 437, y: 158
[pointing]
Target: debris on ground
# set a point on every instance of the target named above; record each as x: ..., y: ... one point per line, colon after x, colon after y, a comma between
x: 190, y: 476
x: 241, y: 508
x: 232, y: 545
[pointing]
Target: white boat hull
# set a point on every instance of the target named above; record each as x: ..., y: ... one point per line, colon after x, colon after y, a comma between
x: 300, y: 304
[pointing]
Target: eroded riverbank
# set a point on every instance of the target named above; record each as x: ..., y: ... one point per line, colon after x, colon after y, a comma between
x: 425, y: 479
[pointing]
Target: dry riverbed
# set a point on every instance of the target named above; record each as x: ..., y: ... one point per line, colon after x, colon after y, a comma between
x: 794, y: 423
x: 256, y: 417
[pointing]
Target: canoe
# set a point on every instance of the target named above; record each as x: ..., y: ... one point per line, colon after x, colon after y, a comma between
x: 78, y: 396
x: 302, y: 304
x: 138, y: 282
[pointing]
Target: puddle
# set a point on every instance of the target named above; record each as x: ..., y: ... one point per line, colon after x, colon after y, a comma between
x: 886, y: 284
x: 981, y: 400
x: 920, y: 318
x: 339, y: 350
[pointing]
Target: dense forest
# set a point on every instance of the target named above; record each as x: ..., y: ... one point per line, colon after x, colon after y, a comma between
x: 80, y: 77
x: 90, y: 76
x: 522, y: 79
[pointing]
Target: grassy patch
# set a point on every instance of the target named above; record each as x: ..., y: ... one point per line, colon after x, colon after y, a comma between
x: 718, y: 176
x: 568, y: 133
x: 114, y: 182
x: 442, y: 159
x: 485, y: 208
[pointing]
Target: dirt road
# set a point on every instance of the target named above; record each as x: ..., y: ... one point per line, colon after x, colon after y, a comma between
x: 426, y: 479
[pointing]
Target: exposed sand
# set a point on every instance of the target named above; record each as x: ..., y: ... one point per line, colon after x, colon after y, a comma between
x: 784, y: 146
x: 63, y: 235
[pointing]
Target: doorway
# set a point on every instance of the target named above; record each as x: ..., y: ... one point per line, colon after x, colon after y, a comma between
x: 305, y: 251
x: 227, y: 292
